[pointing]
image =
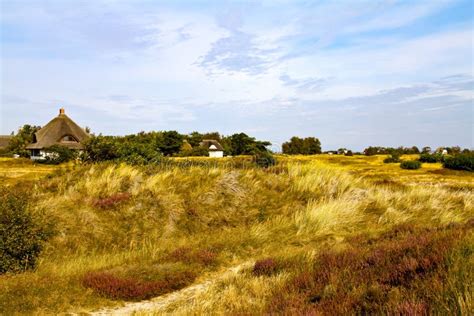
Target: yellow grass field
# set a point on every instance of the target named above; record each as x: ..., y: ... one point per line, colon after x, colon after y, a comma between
x: 312, y: 235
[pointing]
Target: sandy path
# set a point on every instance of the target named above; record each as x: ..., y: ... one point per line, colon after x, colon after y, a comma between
x: 159, y: 304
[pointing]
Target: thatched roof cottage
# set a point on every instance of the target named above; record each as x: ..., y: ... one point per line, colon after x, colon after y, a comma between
x: 59, y: 131
x: 215, y: 148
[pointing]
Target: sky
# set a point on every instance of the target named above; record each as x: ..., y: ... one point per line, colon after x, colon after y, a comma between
x: 351, y: 73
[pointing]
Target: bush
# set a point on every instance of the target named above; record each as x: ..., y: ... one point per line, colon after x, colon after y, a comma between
x: 57, y: 154
x: 264, y: 159
x: 394, y: 158
x: 267, y: 267
x: 463, y: 161
x: 130, y: 288
x: 349, y: 153
x: 431, y: 158
x: 112, y: 201
x: 396, y: 273
x: 410, y: 164
x: 21, y: 235
x: 194, y: 152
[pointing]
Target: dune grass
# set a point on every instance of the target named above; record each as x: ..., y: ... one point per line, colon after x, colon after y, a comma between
x: 128, y: 233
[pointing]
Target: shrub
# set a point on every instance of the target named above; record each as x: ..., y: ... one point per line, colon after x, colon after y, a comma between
x: 267, y: 267
x: 194, y: 152
x: 394, y: 158
x: 112, y: 200
x: 397, y: 272
x: 264, y: 159
x: 463, y: 161
x: 127, y: 288
x: 349, y: 153
x: 431, y: 158
x: 21, y: 235
x: 57, y: 154
x: 410, y: 164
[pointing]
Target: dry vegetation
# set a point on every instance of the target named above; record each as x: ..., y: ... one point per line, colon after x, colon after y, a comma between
x: 327, y: 235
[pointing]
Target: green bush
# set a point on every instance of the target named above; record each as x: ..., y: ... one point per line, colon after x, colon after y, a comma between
x: 394, y: 158
x: 463, y: 161
x: 194, y: 152
x: 431, y: 158
x: 21, y: 234
x: 410, y: 164
x: 264, y: 159
x: 58, y: 154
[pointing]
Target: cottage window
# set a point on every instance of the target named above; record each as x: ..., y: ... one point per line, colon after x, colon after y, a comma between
x: 68, y: 138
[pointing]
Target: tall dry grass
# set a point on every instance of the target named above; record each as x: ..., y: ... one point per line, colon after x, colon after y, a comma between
x: 114, y: 217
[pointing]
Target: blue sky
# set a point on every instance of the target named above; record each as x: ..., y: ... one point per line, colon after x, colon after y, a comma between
x: 352, y: 73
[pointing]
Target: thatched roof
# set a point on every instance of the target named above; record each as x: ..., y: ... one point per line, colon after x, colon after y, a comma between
x: 4, y: 140
x: 60, y: 131
x: 211, y: 145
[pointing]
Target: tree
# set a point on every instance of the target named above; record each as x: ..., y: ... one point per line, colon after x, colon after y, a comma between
x: 241, y: 144
x: 23, y: 137
x: 426, y: 150
x: 194, y: 138
x: 306, y: 146
x: 171, y: 143
x: 212, y: 135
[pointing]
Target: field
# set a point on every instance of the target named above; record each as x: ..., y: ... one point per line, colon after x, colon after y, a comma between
x: 329, y: 235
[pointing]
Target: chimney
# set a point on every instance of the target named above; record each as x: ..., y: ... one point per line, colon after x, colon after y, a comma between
x: 61, y: 111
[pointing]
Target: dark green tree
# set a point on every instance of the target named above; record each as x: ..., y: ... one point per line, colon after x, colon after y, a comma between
x: 171, y: 143
x: 23, y: 137
x: 304, y: 146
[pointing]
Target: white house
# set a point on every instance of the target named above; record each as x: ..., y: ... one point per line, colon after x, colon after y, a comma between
x: 215, y: 148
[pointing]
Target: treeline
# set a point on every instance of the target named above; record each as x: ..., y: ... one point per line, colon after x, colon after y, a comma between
x: 150, y: 147
x: 302, y: 146
x: 376, y: 150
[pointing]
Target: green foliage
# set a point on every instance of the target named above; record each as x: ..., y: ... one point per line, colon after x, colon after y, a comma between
x: 303, y: 146
x: 463, y: 161
x: 195, y: 152
x: 145, y: 148
x: 133, y: 149
x: 242, y: 144
x: 377, y: 150
x: 394, y: 158
x: 431, y: 158
x: 264, y: 159
x: 23, y: 137
x: 349, y: 153
x: 171, y: 143
x: 21, y: 235
x: 194, y: 139
x: 410, y: 164
x: 57, y: 154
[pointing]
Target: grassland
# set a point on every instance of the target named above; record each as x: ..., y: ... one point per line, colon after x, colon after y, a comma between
x: 315, y: 235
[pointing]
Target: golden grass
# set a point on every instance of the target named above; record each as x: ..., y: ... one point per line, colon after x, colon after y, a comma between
x: 294, y: 209
x: 22, y: 169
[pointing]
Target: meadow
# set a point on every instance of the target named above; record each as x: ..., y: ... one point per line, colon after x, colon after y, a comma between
x: 319, y: 235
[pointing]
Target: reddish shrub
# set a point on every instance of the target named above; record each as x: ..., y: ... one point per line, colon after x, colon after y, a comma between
x: 187, y: 255
x: 112, y: 200
x: 409, y: 261
x: 205, y: 257
x: 412, y: 309
x: 266, y: 266
x: 113, y: 287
